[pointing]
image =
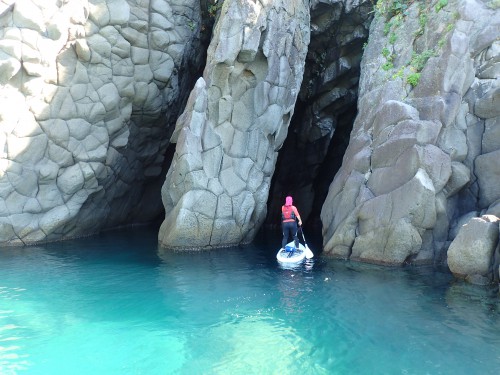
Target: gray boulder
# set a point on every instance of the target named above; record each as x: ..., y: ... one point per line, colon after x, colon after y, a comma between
x: 471, y: 255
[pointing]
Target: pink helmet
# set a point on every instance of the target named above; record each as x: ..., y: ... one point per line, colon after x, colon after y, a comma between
x: 288, y: 201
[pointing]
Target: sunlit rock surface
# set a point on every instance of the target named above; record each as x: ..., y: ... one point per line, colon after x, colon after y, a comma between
x: 236, y: 120
x: 474, y: 254
x: 419, y: 157
x: 87, y: 91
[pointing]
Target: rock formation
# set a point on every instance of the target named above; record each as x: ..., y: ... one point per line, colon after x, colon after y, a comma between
x: 325, y: 109
x: 474, y: 253
x: 91, y: 92
x: 420, y: 151
x: 235, y: 121
x: 88, y: 92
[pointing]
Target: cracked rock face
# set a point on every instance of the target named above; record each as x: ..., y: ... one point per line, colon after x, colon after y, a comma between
x: 87, y: 90
x: 419, y: 157
x: 235, y: 121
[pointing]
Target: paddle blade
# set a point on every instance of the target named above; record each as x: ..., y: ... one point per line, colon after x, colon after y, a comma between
x: 309, y: 253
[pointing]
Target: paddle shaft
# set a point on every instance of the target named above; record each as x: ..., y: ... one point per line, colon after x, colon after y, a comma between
x: 302, y: 234
x: 309, y: 253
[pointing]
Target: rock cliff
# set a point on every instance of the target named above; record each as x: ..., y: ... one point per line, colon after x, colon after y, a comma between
x: 424, y: 133
x: 89, y: 92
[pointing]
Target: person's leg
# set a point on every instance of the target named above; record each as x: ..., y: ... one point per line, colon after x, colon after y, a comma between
x: 287, y: 232
x: 285, y: 235
x: 295, y: 237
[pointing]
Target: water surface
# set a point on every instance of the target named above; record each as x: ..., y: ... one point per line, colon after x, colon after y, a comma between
x: 115, y: 304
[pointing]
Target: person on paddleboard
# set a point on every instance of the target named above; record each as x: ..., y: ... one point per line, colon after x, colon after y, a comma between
x: 289, y: 218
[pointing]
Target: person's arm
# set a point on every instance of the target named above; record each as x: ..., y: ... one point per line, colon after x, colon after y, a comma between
x: 297, y: 215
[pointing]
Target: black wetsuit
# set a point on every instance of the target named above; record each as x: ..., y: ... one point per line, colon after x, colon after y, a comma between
x: 289, y: 230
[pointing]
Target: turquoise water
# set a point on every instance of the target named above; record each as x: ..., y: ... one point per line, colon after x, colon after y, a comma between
x: 114, y: 304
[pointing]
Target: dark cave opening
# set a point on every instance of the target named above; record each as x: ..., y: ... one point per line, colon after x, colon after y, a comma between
x: 319, y: 132
x: 306, y: 174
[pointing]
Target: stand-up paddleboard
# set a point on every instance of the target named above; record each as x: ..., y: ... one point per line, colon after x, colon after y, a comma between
x: 290, y: 254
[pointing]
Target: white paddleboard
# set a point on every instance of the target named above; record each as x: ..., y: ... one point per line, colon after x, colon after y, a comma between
x: 295, y: 256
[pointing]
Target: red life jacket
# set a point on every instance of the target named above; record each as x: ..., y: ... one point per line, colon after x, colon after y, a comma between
x: 287, y: 214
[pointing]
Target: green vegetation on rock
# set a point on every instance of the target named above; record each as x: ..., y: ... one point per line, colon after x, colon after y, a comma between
x: 441, y: 4
x: 413, y: 79
x: 392, y: 8
x: 494, y: 4
x: 394, y: 13
x: 418, y: 60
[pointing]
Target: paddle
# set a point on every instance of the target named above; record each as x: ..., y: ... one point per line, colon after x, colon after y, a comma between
x: 309, y: 253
